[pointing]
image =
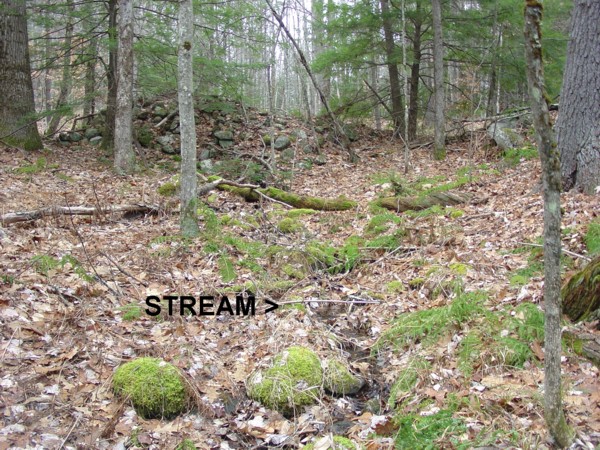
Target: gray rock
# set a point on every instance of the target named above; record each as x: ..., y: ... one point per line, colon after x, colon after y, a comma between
x: 206, y: 165
x: 91, y: 132
x: 320, y: 160
x: 309, y: 149
x: 505, y: 135
x: 225, y: 144
x: 282, y: 142
x: 143, y: 114
x: 156, y: 119
x: 96, y: 140
x: 206, y: 153
x: 166, y: 144
x: 288, y: 154
x: 76, y: 137
x: 301, y: 134
x: 161, y: 112
x: 64, y: 137
x: 223, y: 135
x: 174, y: 124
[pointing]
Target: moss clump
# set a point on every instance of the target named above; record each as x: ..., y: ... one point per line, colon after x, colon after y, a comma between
x: 592, y: 238
x: 381, y: 223
x: 339, y: 443
x: 416, y: 282
x: 338, y: 379
x: 394, y: 287
x: 186, y: 444
x: 144, y: 136
x: 155, y: 387
x: 288, y: 225
x: 168, y: 189
x: 294, y: 380
x: 459, y: 268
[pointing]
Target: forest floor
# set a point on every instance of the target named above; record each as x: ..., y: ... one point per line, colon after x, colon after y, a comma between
x: 73, y: 290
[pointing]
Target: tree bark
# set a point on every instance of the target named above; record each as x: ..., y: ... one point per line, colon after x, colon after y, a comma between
x: 124, y: 155
x: 17, y: 106
x: 108, y: 140
x: 187, y: 123
x: 553, y: 411
x: 581, y: 295
x: 89, y: 105
x: 439, y: 145
x: 578, y: 125
x: 392, y: 65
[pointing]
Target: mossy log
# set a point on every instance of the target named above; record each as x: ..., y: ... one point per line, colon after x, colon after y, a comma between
x: 584, y: 344
x: 581, y: 295
x: 401, y: 204
x: 295, y: 200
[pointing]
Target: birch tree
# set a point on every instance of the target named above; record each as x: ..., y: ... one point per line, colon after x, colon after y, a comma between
x: 187, y: 123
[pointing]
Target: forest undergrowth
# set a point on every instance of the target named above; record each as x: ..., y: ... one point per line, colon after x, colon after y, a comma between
x: 438, y: 310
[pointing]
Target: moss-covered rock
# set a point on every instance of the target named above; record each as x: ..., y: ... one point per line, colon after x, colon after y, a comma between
x: 144, y: 136
x: 168, y: 189
x: 288, y: 225
x: 155, y: 387
x: 294, y: 380
x: 339, y: 443
x: 338, y: 379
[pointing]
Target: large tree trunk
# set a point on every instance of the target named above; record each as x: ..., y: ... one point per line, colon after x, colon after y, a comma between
x: 187, y: 124
x: 124, y: 156
x: 415, y: 73
x: 553, y: 411
x: 581, y: 295
x: 578, y: 124
x: 17, y: 108
x: 392, y: 65
x: 439, y: 145
x: 89, y: 105
x: 111, y: 76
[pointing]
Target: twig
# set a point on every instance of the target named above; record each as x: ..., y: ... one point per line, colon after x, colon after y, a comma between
x: 358, y: 301
x: 69, y: 434
x: 568, y: 252
x: 123, y: 271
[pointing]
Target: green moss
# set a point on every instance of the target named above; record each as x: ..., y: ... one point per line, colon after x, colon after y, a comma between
x: 513, y: 156
x: 394, y: 287
x: 293, y: 272
x: 39, y: 165
x: 168, y: 189
x: 455, y: 213
x: 294, y: 380
x: 416, y: 282
x: 426, y: 432
x: 144, y: 136
x: 592, y: 238
x: 155, y: 387
x: 186, y: 444
x: 407, y: 378
x: 339, y: 443
x: 131, y: 312
x: 295, y: 213
x: 381, y: 223
x: 338, y: 379
x: 288, y: 225
x: 459, y: 268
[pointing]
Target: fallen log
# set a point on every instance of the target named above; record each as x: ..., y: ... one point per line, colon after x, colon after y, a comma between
x: 27, y: 216
x: 401, y: 204
x: 297, y: 201
x: 581, y: 294
x: 584, y: 344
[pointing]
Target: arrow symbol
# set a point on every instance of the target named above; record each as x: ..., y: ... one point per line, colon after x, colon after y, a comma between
x: 273, y: 307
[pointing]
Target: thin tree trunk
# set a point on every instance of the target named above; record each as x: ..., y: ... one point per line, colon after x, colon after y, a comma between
x: 16, y: 89
x: 439, y: 145
x: 187, y: 123
x: 89, y: 105
x: 124, y: 155
x: 492, y: 99
x: 392, y: 65
x: 111, y: 76
x: 413, y: 102
x: 67, y: 80
x: 553, y: 411
x: 376, y: 108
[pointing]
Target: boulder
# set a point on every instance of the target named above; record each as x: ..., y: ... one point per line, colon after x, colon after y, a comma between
x: 91, y: 132
x: 76, y: 137
x: 166, y: 144
x: 96, y: 140
x: 223, y: 135
x: 504, y: 134
x: 282, y: 142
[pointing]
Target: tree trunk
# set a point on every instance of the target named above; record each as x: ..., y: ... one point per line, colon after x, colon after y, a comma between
x: 578, y: 124
x: 67, y: 79
x: 124, y: 156
x: 439, y: 145
x: 553, y: 411
x: 415, y: 73
x: 89, y: 105
x: 108, y: 140
x: 17, y: 108
x: 392, y: 65
x: 492, y: 99
x: 187, y: 123
x: 581, y: 295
